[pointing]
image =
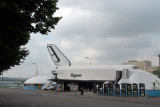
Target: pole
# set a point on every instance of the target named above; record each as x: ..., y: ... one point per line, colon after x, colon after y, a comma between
x: 36, y: 69
x: 89, y: 60
x: 2, y: 80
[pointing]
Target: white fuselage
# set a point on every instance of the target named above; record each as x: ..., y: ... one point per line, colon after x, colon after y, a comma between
x: 107, y: 73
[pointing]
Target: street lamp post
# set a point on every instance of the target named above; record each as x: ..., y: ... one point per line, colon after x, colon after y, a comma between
x: 36, y: 69
x: 89, y: 60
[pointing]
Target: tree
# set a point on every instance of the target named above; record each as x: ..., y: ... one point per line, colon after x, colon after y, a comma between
x: 156, y: 72
x: 19, y: 18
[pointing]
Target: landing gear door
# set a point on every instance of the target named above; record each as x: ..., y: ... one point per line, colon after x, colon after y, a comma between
x: 111, y: 89
x: 142, y: 89
x: 129, y: 89
x: 106, y: 89
x: 94, y: 88
x: 135, y: 89
x: 117, y: 89
x: 123, y: 89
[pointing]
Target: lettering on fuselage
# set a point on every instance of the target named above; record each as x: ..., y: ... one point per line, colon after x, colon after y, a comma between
x: 75, y: 75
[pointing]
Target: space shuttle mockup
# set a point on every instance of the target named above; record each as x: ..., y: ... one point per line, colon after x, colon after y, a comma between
x: 81, y: 75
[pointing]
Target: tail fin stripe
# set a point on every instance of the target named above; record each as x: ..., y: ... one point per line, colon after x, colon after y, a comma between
x: 57, y: 56
x: 53, y: 54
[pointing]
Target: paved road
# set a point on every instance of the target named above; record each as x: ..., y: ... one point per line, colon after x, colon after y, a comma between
x: 40, y: 98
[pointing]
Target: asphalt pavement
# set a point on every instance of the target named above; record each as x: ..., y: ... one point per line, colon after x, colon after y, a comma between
x: 11, y: 97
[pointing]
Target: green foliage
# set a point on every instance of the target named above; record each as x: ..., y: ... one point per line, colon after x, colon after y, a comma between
x: 19, y: 18
x: 156, y: 72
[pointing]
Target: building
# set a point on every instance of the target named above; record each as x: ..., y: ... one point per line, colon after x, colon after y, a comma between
x: 36, y: 83
x: 143, y: 65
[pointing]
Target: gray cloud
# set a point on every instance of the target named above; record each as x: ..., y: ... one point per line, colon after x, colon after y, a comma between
x: 107, y: 31
x: 117, y: 29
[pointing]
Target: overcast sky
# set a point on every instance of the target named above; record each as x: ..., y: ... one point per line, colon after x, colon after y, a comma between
x: 107, y: 31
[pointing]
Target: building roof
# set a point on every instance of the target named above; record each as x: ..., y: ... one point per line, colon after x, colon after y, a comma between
x: 37, y: 80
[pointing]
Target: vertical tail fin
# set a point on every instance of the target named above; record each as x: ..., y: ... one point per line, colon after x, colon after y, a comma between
x: 57, y: 56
